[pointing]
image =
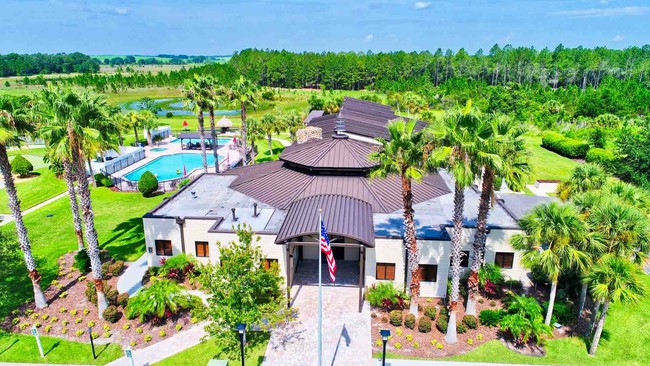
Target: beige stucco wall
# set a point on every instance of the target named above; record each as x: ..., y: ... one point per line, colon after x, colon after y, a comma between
x: 385, y: 251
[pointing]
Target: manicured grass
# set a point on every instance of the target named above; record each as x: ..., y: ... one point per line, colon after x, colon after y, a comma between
x: 118, y: 220
x: 547, y: 164
x: 625, y: 342
x: 26, y: 151
x: 35, y: 190
x: 205, y: 351
x: 263, y: 154
x: 23, y: 348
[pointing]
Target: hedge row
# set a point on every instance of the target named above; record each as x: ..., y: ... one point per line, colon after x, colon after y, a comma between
x: 565, y: 146
x: 602, y: 157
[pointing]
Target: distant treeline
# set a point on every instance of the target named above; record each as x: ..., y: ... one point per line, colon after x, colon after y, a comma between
x: 400, y: 71
x: 162, y: 59
x: 14, y: 64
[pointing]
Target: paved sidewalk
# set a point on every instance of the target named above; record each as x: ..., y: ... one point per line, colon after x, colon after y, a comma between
x: 7, y: 218
x: 164, y: 349
x: 131, y: 280
x: 390, y: 362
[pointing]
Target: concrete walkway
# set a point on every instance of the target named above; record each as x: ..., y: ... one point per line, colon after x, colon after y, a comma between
x: 390, y: 362
x: 131, y: 280
x: 164, y: 349
x: 8, y: 218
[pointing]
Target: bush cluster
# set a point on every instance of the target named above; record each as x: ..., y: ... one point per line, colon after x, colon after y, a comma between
x: 430, y: 311
x: 386, y: 296
x: 461, y: 328
x: 396, y: 318
x: 82, y: 261
x: 409, y: 321
x: 424, y: 324
x: 490, y: 318
x: 442, y: 324
x: 147, y: 184
x: 111, y: 314
x: 470, y: 321
x: 21, y: 166
x: 123, y: 299
x: 565, y: 146
x: 602, y: 157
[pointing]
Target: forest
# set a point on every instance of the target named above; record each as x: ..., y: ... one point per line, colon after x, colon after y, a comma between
x: 14, y: 64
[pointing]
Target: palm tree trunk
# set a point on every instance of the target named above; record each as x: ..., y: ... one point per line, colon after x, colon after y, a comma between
x: 74, y: 206
x: 120, y: 139
x: 459, y: 201
x: 268, y: 137
x: 89, y: 223
x: 135, y: 132
x: 551, y: 301
x: 149, y: 138
x: 478, y: 247
x: 243, y: 132
x: 215, y: 141
x: 202, y: 138
x: 583, y: 298
x: 592, y: 326
x: 599, y: 329
x: 411, y: 243
x: 21, y: 229
x: 92, y: 172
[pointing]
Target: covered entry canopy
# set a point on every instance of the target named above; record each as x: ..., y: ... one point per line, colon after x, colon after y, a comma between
x: 343, y: 216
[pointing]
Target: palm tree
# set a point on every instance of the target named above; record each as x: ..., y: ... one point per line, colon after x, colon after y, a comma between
x: 214, y: 101
x: 584, y: 178
x: 254, y: 132
x: 243, y: 93
x: 510, y: 165
x: 613, y: 279
x: 292, y: 121
x: 197, y: 95
x: 148, y: 121
x: 14, y: 122
x: 133, y: 121
x: 402, y: 155
x: 120, y: 120
x: 630, y: 194
x: 553, y: 240
x: 268, y: 126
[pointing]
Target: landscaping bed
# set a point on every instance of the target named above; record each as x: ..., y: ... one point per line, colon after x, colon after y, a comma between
x: 70, y: 311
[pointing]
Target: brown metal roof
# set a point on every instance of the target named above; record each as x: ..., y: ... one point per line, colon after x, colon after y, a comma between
x: 336, y: 153
x: 343, y: 216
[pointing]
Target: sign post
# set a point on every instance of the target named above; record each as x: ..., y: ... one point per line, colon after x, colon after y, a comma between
x: 92, y: 344
x: 38, y: 341
x: 129, y: 354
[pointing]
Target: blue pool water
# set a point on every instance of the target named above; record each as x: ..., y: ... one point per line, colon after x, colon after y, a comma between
x: 159, y: 149
x: 171, y: 166
x: 221, y: 141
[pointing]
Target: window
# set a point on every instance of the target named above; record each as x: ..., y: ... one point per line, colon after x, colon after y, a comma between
x: 202, y: 248
x: 385, y: 271
x: 504, y: 260
x: 428, y: 272
x: 164, y: 247
x: 464, y: 259
x: 268, y: 262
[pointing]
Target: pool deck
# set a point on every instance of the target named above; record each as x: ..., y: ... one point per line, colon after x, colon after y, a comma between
x: 231, y: 157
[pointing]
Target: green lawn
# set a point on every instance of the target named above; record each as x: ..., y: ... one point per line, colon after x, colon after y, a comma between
x: 547, y: 164
x: 200, y: 354
x: 263, y: 153
x: 35, y: 190
x: 625, y: 342
x: 118, y: 220
x: 22, y: 348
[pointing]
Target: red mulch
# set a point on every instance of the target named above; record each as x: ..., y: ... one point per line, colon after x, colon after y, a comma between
x: 67, y: 295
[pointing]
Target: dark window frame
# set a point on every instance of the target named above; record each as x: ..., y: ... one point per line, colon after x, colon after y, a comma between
x: 161, y: 248
x: 385, y: 266
x: 268, y: 262
x: 428, y: 272
x: 464, y: 261
x: 206, y: 249
x: 500, y: 259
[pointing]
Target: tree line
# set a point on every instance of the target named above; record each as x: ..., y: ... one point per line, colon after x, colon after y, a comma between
x: 14, y: 64
x: 162, y: 59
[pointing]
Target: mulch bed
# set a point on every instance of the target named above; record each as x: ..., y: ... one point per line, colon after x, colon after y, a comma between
x: 69, y: 313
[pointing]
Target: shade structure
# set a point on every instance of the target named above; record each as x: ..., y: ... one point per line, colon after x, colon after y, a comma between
x: 224, y: 122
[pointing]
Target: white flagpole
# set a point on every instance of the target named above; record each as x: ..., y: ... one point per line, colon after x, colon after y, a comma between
x: 320, y: 292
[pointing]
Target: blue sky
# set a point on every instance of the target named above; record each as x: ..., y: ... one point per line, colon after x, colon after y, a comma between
x: 202, y: 27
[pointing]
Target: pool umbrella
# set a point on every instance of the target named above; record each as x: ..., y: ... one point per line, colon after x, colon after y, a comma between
x: 224, y: 123
x: 185, y: 124
x: 184, y: 170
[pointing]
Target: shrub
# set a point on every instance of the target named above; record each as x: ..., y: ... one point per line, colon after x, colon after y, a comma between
x: 64, y: 330
x: 444, y: 313
x: 162, y: 333
x: 470, y: 341
x: 179, y: 327
x: 91, y: 323
x: 147, y: 184
x: 73, y: 312
x: 78, y: 320
x: 409, y: 321
x: 424, y: 324
x: 126, y: 326
x: 86, y: 311
x: 105, y: 270
x: 138, y: 330
x: 21, y: 166
x: 563, y: 312
x: 439, y: 346
x: 430, y: 312
x: 99, y: 179
x: 45, y: 316
x: 95, y: 335
x: 47, y: 328
x: 397, y: 345
x: 161, y: 300
x: 23, y: 326
x: 148, y: 338
x: 597, y: 138
x: 513, y: 285
x: 123, y: 300
x: 602, y: 157
x: 133, y: 344
x: 63, y: 310
x: 183, y: 183
x: 490, y: 318
x: 169, y: 114
x: 107, y: 334
x: 442, y: 324
x: 79, y: 333
x: 379, y: 342
x: 111, y: 295
x: 107, y: 182
x: 267, y: 95
x: 81, y: 261
x: 111, y: 314
x: 65, y: 322
x: 416, y: 345
x: 396, y: 318
x: 115, y: 268
x: 470, y: 321
x: 461, y: 328
x: 479, y: 337
x: 37, y: 324
x: 15, y: 321
x: 565, y: 146
x: 54, y: 319
x: 385, y: 295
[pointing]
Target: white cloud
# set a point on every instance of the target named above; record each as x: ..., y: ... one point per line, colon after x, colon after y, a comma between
x: 369, y: 38
x: 121, y: 11
x: 618, y: 38
x: 605, y: 12
x: 422, y: 5
x: 507, y: 38
x: 604, y: 2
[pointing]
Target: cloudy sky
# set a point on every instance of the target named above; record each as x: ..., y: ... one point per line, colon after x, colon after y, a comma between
x: 219, y: 27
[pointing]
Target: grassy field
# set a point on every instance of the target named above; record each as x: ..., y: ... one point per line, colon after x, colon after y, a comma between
x: 625, y: 342
x: 547, y: 164
x: 22, y: 348
x: 207, y: 350
x: 35, y: 190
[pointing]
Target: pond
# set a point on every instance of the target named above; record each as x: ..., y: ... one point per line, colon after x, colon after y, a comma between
x: 176, y: 107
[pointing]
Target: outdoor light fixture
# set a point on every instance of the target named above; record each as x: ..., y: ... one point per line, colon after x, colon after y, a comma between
x: 385, y: 333
x: 241, y: 329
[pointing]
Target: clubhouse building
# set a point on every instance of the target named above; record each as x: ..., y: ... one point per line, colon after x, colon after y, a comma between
x: 328, y: 169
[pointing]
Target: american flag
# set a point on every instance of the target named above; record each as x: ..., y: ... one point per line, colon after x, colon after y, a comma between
x: 327, y: 250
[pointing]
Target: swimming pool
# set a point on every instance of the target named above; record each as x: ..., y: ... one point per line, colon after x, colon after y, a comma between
x: 221, y: 141
x: 158, y: 149
x: 171, y: 166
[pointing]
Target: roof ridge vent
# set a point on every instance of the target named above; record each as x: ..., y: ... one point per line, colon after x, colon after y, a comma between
x: 339, y: 129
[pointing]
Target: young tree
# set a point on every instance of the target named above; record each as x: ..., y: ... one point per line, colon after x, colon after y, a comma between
x: 243, y: 94
x: 242, y: 291
x: 402, y: 155
x: 197, y: 96
x: 149, y: 121
x: 584, y: 178
x: 270, y: 125
x: 14, y: 123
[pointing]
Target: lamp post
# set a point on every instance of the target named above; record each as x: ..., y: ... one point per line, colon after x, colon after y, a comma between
x: 385, y: 333
x: 241, y: 329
